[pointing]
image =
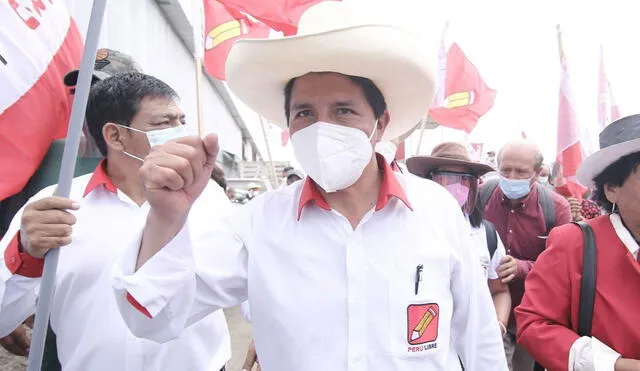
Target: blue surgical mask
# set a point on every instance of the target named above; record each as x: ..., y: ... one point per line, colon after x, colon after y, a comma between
x: 515, y: 189
x: 159, y: 136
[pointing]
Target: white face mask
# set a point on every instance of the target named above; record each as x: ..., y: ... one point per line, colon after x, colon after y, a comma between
x: 334, y: 156
x: 388, y: 150
x: 158, y: 137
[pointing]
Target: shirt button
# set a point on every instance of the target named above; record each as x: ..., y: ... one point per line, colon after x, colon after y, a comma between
x: 510, y: 231
x: 13, y: 259
x: 512, y: 211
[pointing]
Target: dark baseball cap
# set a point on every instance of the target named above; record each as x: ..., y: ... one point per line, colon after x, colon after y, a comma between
x: 108, y: 63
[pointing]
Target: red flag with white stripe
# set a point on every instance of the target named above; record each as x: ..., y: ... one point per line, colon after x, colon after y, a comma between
x: 608, y: 111
x: 39, y: 44
x: 570, y: 153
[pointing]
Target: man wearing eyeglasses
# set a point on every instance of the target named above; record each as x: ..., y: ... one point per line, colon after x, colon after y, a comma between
x: 523, y: 212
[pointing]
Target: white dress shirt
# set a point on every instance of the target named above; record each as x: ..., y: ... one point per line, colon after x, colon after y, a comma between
x: 325, y: 296
x: 91, y: 334
x: 589, y: 353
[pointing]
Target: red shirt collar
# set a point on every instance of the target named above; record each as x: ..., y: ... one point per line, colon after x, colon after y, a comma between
x: 100, y: 178
x: 389, y: 187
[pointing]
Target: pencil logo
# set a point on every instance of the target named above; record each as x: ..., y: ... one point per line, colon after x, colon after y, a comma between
x: 422, y: 323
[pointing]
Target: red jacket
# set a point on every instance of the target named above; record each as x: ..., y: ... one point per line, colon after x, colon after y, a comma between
x: 548, y: 315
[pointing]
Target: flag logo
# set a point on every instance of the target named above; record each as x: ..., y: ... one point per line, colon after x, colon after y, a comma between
x: 422, y: 323
x: 222, y: 33
x: 465, y: 98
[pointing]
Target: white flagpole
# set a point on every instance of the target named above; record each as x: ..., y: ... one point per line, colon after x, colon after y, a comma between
x: 272, y: 168
x: 67, y: 170
x: 198, y: 55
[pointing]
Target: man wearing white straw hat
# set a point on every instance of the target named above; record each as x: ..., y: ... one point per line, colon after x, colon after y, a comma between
x: 355, y: 268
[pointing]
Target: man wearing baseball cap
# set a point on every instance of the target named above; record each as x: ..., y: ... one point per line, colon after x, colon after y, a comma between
x: 354, y: 268
x: 108, y: 63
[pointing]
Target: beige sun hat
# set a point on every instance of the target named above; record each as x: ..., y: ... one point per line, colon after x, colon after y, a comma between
x: 339, y: 37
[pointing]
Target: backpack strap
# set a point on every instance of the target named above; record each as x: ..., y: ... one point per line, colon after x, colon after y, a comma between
x: 485, y: 192
x: 587, y: 283
x: 492, y: 237
x: 545, y: 199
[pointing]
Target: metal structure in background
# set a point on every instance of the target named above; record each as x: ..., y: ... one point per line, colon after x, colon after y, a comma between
x: 65, y: 178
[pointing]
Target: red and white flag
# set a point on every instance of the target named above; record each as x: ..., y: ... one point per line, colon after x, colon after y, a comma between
x: 608, y: 111
x: 223, y: 26
x: 39, y: 44
x: 570, y: 151
x: 463, y: 96
x: 281, y: 15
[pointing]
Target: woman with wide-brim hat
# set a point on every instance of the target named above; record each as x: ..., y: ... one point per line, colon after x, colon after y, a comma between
x: 548, y: 316
x: 450, y: 166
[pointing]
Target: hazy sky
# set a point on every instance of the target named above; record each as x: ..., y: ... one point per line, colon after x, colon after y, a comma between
x: 515, y: 49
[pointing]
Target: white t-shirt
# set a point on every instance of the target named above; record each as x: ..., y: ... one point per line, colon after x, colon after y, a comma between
x: 488, y: 264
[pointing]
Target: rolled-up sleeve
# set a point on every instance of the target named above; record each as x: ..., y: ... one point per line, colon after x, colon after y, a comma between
x: 195, y: 274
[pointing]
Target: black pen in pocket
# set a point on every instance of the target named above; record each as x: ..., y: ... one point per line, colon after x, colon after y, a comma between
x: 418, y: 277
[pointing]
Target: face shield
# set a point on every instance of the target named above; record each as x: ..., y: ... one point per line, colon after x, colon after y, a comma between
x: 462, y: 186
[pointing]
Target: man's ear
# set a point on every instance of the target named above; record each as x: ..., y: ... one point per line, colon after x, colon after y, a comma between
x: 112, y: 136
x: 383, y: 122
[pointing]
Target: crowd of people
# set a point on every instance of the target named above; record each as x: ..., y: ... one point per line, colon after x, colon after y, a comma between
x: 355, y: 264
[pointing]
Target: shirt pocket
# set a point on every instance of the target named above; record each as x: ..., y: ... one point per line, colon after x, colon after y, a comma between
x: 420, y: 319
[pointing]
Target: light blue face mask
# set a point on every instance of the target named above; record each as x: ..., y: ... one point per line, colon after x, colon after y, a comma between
x: 160, y: 136
x: 515, y: 189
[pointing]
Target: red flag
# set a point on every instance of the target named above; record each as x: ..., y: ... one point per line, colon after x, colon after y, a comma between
x: 223, y: 26
x: 466, y: 97
x: 281, y: 15
x: 572, y: 189
x: 284, y: 137
x: 41, y: 44
x: 569, y: 147
x: 607, y: 109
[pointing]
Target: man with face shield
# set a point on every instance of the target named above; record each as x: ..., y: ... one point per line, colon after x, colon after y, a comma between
x: 126, y: 115
x: 354, y: 268
x: 450, y: 166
